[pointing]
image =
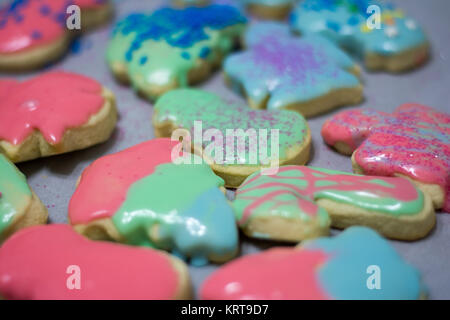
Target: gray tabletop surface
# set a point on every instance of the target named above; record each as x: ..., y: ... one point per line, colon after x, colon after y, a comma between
x: 53, y: 179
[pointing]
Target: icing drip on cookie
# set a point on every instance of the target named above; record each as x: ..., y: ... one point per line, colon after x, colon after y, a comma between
x: 108, y: 271
x: 163, y: 46
x: 292, y: 191
x: 25, y: 24
x: 182, y: 204
x: 289, y: 69
x: 414, y: 141
x: 185, y: 106
x: 346, y: 23
x: 327, y: 268
x: 51, y: 103
x: 15, y: 195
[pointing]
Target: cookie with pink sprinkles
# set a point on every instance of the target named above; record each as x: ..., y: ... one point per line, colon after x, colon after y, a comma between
x: 413, y: 141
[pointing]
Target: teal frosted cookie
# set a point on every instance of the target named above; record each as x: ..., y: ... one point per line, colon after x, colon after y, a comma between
x: 172, y: 48
x: 294, y: 204
x: 309, y: 75
x: 382, y: 35
x: 269, y: 9
x: 357, y: 264
x: 234, y: 139
x: 19, y: 206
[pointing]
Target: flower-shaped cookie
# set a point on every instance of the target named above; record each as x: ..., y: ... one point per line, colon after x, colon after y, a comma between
x: 280, y: 71
x: 292, y: 205
x: 34, y: 32
x: 413, y: 141
x: 148, y: 200
x: 351, y: 266
x: 381, y: 34
x: 172, y: 48
x: 54, y: 262
x: 53, y: 113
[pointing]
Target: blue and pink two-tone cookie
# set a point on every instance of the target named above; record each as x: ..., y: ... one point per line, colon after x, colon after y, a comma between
x: 382, y: 35
x: 357, y: 264
x: 278, y: 70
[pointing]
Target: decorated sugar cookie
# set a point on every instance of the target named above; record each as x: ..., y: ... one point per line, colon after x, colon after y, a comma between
x: 53, y: 113
x: 34, y: 32
x: 54, y: 262
x: 309, y: 75
x: 357, y: 264
x: 413, y: 141
x: 234, y: 139
x: 148, y: 200
x: 269, y: 9
x: 294, y: 204
x: 19, y: 206
x: 381, y: 34
x: 172, y: 48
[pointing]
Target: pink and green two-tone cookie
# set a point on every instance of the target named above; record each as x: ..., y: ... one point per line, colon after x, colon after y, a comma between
x: 54, y: 262
x: 300, y: 202
x: 357, y: 264
x: 19, y: 205
x: 310, y: 75
x: 143, y: 196
x: 413, y: 141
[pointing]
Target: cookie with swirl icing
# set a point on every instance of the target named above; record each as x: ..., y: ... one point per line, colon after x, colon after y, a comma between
x: 54, y: 262
x: 294, y: 204
x: 53, y: 113
x: 19, y: 205
x: 309, y: 75
x: 232, y: 138
x: 33, y: 33
x: 381, y: 34
x: 358, y: 264
x: 172, y: 48
x: 413, y: 141
x: 269, y: 9
x: 149, y: 199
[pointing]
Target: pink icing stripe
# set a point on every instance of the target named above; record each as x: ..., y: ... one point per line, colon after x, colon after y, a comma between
x: 402, y: 189
x: 34, y: 262
x: 50, y: 103
x: 36, y: 22
x: 118, y: 172
x: 283, y: 273
x: 414, y: 141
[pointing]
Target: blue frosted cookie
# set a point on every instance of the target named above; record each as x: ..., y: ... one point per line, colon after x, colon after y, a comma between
x: 382, y: 35
x: 278, y: 70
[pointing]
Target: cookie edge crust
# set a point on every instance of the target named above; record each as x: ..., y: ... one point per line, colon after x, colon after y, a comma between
x: 34, y: 214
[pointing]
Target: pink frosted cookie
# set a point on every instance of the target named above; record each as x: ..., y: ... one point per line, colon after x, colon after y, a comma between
x: 413, y: 141
x: 53, y: 113
x: 34, y: 32
x: 344, y: 267
x: 54, y: 262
